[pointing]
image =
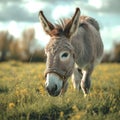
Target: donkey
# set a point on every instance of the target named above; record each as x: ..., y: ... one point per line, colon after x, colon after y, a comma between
x: 75, y: 47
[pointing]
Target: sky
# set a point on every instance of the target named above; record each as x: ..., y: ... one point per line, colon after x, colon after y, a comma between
x: 17, y: 15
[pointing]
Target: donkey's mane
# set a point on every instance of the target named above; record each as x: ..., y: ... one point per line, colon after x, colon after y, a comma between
x: 59, y: 27
x: 61, y: 24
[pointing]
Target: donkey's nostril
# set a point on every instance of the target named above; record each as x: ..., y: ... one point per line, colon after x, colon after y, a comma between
x: 54, y: 88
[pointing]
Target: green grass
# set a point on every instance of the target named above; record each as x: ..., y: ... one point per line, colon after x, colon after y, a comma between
x: 23, y: 97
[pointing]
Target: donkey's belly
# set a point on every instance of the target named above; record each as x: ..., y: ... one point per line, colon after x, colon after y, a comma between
x: 85, y: 63
x: 82, y: 64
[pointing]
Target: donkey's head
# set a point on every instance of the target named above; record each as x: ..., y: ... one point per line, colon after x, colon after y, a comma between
x: 60, y: 53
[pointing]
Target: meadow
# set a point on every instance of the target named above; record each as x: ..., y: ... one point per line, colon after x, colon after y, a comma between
x: 23, y: 96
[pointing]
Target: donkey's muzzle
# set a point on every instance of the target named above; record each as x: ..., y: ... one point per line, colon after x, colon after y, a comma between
x: 53, y: 84
x: 56, y: 80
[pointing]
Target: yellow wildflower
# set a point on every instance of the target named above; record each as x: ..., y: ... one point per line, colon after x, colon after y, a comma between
x: 11, y: 105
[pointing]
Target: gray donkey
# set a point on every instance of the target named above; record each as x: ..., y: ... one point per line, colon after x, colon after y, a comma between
x: 75, y: 47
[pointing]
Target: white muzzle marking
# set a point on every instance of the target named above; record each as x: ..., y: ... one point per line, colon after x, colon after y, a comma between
x: 53, y: 84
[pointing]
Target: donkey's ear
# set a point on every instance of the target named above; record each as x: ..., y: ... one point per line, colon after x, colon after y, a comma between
x: 47, y: 26
x: 73, y: 24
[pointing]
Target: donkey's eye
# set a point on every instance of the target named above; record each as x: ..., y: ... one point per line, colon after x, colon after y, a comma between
x: 64, y: 55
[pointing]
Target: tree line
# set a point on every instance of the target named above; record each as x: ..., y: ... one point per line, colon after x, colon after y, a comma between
x: 113, y: 55
x: 24, y: 48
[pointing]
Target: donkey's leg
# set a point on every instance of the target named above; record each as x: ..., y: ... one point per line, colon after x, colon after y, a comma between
x: 76, y: 78
x: 86, y: 81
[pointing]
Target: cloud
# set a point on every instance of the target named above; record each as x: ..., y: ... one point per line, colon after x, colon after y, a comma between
x: 111, y: 6
x: 16, y: 11
x: 13, y: 12
x: 104, y: 6
x: 25, y: 10
x: 6, y: 1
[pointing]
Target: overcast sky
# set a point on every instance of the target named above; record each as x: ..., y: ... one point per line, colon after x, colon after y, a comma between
x: 16, y: 15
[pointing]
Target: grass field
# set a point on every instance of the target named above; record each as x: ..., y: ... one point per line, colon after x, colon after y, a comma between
x: 23, y: 97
